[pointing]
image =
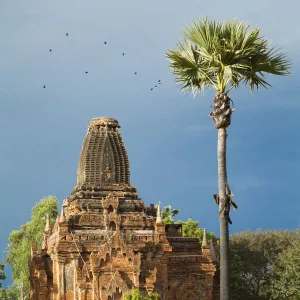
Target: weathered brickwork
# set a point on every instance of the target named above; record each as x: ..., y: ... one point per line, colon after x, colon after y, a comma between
x: 106, y: 242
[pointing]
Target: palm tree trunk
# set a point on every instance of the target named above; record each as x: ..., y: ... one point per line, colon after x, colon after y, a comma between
x: 221, y: 116
x: 223, y: 215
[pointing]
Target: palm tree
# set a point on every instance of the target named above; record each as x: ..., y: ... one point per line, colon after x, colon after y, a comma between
x: 222, y: 56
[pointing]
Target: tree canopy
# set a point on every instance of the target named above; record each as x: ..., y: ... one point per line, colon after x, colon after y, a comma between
x: 286, y: 274
x: 257, y: 260
x: 10, y: 293
x: 190, y: 228
x: 2, y: 274
x: 222, y: 55
x: 20, y: 241
x: 168, y: 214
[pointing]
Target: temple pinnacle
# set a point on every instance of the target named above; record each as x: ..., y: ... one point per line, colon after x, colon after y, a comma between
x: 62, y: 215
x: 47, y: 227
x: 158, y: 215
x: 204, y: 241
x: 47, y: 232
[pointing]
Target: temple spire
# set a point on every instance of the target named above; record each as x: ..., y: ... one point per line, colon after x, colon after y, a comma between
x: 62, y: 215
x: 47, y: 232
x: 103, y: 159
x: 158, y: 215
x: 204, y: 241
x: 47, y: 227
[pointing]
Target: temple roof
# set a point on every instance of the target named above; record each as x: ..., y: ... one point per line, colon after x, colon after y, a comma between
x: 103, y: 159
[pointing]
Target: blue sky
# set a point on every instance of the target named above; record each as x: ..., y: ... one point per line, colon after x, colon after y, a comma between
x: 170, y: 139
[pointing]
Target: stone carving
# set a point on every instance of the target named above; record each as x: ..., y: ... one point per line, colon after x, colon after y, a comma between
x: 108, y: 163
x: 91, y: 220
x: 150, y: 280
x: 103, y: 157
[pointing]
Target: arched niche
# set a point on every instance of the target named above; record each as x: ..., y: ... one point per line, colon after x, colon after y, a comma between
x: 116, y: 295
x: 102, y: 263
x: 110, y: 209
x: 112, y: 226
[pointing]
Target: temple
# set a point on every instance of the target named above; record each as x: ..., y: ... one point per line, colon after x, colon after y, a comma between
x: 107, y: 242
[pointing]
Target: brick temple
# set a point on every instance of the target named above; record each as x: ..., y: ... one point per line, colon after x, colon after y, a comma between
x: 107, y: 242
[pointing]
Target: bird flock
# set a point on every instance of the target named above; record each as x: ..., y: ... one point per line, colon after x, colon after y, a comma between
x: 123, y: 54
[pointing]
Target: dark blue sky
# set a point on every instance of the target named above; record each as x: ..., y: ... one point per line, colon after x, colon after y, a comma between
x: 170, y: 139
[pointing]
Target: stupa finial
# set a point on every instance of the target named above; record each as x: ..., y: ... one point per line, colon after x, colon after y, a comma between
x: 204, y: 241
x: 158, y: 214
x: 62, y: 215
x: 47, y: 226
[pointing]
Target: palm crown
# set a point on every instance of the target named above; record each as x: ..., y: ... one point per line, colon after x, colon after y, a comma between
x: 223, y: 55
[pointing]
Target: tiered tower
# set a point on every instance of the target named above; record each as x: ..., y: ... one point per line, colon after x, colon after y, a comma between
x: 106, y: 242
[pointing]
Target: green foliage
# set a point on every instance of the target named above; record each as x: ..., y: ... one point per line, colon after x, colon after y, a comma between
x: 20, y: 241
x: 36, y: 226
x: 253, y: 254
x: 2, y: 275
x: 223, y: 55
x: 168, y: 214
x: 190, y: 228
x: 136, y: 295
x: 19, y: 254
x: 286, y: 274
x: 10, y: 293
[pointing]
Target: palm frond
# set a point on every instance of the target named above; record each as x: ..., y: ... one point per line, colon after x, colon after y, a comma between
x: 224, y: 55
x: 192, y: 72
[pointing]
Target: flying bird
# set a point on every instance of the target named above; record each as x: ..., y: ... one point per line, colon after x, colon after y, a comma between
x: 123, y: 54
x: 44, y: 86
x: 50, y: 50
x: 159, y: 83
x: 135, y: 72
x: 86, y: 72
x: 151, y: 89
x: 159, y: 80
x: 67, y: 34
x: 105, y: 43
x: 155, y: 86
